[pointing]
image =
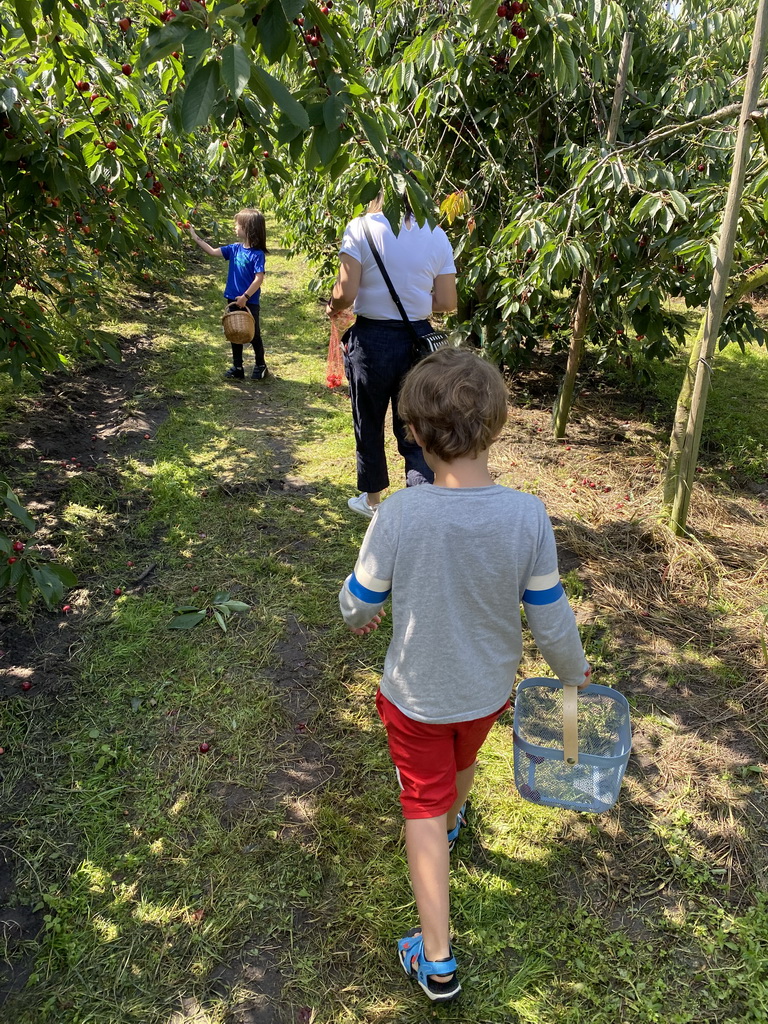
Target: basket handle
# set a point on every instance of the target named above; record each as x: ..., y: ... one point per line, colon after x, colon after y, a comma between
x: 570, y: 725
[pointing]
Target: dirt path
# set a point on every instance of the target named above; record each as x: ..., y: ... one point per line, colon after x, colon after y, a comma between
x: 671, y: 621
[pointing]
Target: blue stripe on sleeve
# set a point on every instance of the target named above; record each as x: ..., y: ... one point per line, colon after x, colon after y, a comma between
x: 544, y: 596
x: 362, y: 593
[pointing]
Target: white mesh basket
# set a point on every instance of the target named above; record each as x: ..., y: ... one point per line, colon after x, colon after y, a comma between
x: 571, y: 746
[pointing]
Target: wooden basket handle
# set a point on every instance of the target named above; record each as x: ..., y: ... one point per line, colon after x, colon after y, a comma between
x: 570, y: 725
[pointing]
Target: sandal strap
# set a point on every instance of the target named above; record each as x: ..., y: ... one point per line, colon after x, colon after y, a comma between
x: 411, y: 946
x: 437, y: 967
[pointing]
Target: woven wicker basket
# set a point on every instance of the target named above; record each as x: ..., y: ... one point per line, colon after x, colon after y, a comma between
x: 238, y: 325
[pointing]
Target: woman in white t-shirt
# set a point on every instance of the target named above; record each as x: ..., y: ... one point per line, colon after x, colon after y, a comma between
x: 419, y: 261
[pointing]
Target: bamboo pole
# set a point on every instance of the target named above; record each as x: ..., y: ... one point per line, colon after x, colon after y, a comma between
x: 562, y: 407
x: 723, y: 261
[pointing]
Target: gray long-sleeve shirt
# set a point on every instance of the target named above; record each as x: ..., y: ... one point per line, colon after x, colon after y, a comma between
x: 458, y: 563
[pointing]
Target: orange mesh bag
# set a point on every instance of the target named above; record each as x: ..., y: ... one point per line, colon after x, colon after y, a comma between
x: 334, y: 369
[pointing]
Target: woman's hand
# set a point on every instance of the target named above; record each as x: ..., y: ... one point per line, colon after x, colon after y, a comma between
x: 370, y: 626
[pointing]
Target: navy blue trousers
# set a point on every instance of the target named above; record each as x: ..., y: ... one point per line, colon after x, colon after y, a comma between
x: 377, y: 358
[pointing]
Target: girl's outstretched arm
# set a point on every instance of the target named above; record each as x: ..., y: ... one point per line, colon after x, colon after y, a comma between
x: 203, y: 245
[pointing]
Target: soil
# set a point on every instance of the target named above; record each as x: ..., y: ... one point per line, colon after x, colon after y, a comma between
x: 84, y: 424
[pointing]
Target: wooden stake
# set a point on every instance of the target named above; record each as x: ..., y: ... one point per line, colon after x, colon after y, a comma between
x: 722, y: 269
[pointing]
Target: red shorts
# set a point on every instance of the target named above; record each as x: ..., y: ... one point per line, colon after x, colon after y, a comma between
x: 427, y: 756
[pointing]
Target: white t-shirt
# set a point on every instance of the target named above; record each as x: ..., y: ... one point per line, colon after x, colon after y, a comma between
x: 413, y: 260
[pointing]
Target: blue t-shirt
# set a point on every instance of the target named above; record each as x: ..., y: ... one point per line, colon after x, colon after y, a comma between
x: 244, y: 265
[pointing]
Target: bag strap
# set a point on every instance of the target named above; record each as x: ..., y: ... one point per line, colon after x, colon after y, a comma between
x: 387, y: 279
x: 570, y: 725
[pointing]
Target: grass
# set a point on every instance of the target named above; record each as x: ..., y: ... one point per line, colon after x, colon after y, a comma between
x: 265, y: 880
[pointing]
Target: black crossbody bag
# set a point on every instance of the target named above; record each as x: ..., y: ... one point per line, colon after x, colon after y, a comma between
x: 421, y: 345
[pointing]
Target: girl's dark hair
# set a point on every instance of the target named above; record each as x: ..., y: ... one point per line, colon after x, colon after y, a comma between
x: 254, y: 229
x: 456, y: 401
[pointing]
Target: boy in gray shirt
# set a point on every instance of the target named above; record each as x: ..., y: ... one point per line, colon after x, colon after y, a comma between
x: 458, y: 558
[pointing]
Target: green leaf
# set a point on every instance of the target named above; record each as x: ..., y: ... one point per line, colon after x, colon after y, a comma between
x: 148, y: 209
x: 334, y: 113
x: 238, y: 606
x: 274, y: 31
x: 49, y: 585
x: 565, y: 64
x: 66, y: 575
x: 18, y: 511
x: 292, y: 8
x: 163, y: 40
x: 484, y: 13
x: 25, y: 10
x: 221, y: 597
x: 219, y: 618
x: 24, y: 590
x: 199, y: 96
x: 187, y: 621
x: 374, y: 133
x: 326, y: 145
x: 235, y: 68
x: 289, y: 105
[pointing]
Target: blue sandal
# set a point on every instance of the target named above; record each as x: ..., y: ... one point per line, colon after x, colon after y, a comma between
x: 461, y: 821
x: 410, y: 950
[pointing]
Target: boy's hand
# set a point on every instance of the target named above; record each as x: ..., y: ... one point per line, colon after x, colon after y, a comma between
x: 369, y: 627
x: 192, y: 232
x: 587, y: 679
x: 241, y: 301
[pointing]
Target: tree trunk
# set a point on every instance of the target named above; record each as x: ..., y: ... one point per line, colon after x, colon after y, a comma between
x: 564, y: 398
x: 562, y: 407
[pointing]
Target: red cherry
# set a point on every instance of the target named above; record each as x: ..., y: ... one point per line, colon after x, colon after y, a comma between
x: 299, y: 21
x: 18, y: 546
x: 325, y: 10
x: 112, y: 146
x: 12, y: 560
x: 265, y: 153
x: 183, y: 5
x: 204, y: 748
x: 501, y: 10
x: 195, y: 589
x: 225, y: 144
x: 147, y: 437
x: 83, y: 86
x: 175, y: 54
x: 130, y: 564
x: 167, y: 14
x: 66, y: 608
x: 125, y: 24
x: 126, y: 69
x: 117, y: 591
x: 26, y: 686
x: 701, y: 167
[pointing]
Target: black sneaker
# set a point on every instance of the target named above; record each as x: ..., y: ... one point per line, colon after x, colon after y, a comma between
x: 259, y: 372
x: 235, y: 371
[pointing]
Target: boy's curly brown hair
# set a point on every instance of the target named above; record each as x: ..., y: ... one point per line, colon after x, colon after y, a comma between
x: 456, y: 402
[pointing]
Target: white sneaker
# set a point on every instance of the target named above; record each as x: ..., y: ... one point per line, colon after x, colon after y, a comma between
x: 360, y: 504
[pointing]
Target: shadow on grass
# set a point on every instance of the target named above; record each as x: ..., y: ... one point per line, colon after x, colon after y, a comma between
x: 263, y: 880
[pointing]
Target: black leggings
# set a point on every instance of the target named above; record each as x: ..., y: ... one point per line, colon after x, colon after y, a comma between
x: 258, y: 344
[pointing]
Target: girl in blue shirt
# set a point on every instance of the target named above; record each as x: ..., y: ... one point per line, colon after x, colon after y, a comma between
x: 244, y: 277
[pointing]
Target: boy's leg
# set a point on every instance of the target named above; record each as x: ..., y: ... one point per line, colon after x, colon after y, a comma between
x: 429, y: 869
x: 464, y: 781
x: 237, y: 354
